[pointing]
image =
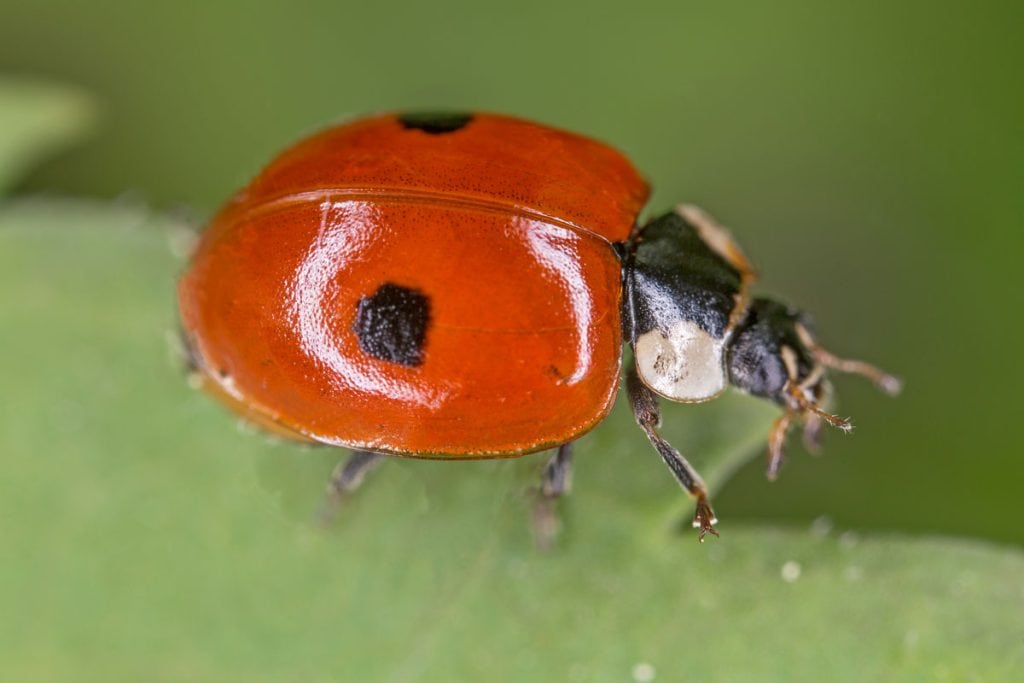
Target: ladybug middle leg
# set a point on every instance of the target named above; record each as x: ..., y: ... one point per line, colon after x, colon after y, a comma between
x: 346, y: 478
x: 644, y: 403
x: 555, y: 483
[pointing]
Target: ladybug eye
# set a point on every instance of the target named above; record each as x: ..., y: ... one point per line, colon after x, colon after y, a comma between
x: 434, y: 122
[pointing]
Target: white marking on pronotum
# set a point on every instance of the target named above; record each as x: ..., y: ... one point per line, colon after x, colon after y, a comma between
x: 337, y: 246
x: 683, y: 363
x: 556, y: 254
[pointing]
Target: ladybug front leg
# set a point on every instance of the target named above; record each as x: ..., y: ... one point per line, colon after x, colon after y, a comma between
x: 555, y: 483
x: 345, y: 479
x: 644, y: 403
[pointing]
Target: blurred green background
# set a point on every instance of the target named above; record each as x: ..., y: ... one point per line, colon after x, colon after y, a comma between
x: 868, y: 155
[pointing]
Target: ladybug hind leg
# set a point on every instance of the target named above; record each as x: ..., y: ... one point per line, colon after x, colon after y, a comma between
x: 644, y: 403
x: 346, y: 478
x: 555, y: 483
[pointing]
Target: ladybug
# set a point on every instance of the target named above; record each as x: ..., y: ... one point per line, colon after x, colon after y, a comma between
x: 456, y: 286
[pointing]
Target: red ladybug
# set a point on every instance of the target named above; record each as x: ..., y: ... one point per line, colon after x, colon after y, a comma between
x: 460, y: 285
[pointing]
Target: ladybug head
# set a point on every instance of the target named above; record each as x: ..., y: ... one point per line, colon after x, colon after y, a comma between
x: 771, y: 355
x: 774, y: 354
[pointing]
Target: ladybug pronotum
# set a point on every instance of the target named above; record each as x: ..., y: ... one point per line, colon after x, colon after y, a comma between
x: 460, y: 286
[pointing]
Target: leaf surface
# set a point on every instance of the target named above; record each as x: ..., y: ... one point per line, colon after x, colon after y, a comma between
x: 146, y: 536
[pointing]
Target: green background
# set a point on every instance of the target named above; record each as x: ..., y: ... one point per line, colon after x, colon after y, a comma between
x: 867, y: 155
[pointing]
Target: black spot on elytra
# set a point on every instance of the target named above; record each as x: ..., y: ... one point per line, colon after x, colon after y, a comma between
x: 391, y: 324
x: 434, y: 122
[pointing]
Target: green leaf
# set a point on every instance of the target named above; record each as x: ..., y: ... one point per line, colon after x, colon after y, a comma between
x: 36, y: 120
x: 146, y: 537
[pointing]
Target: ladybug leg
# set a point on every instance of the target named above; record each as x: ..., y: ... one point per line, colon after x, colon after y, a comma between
x: 557, y: 479
x: 889, y: 384
x: 345, y: 479
x: 777, y: 442
x: 644, y: 403
x: 555, y: 483
x: 803, y: 400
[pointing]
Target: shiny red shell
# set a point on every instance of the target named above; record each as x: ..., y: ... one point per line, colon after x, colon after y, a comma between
x: 505, y: 226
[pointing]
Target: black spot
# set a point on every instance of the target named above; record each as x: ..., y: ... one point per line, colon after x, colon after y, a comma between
x: 434, y: 122
x: 391, y: 324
